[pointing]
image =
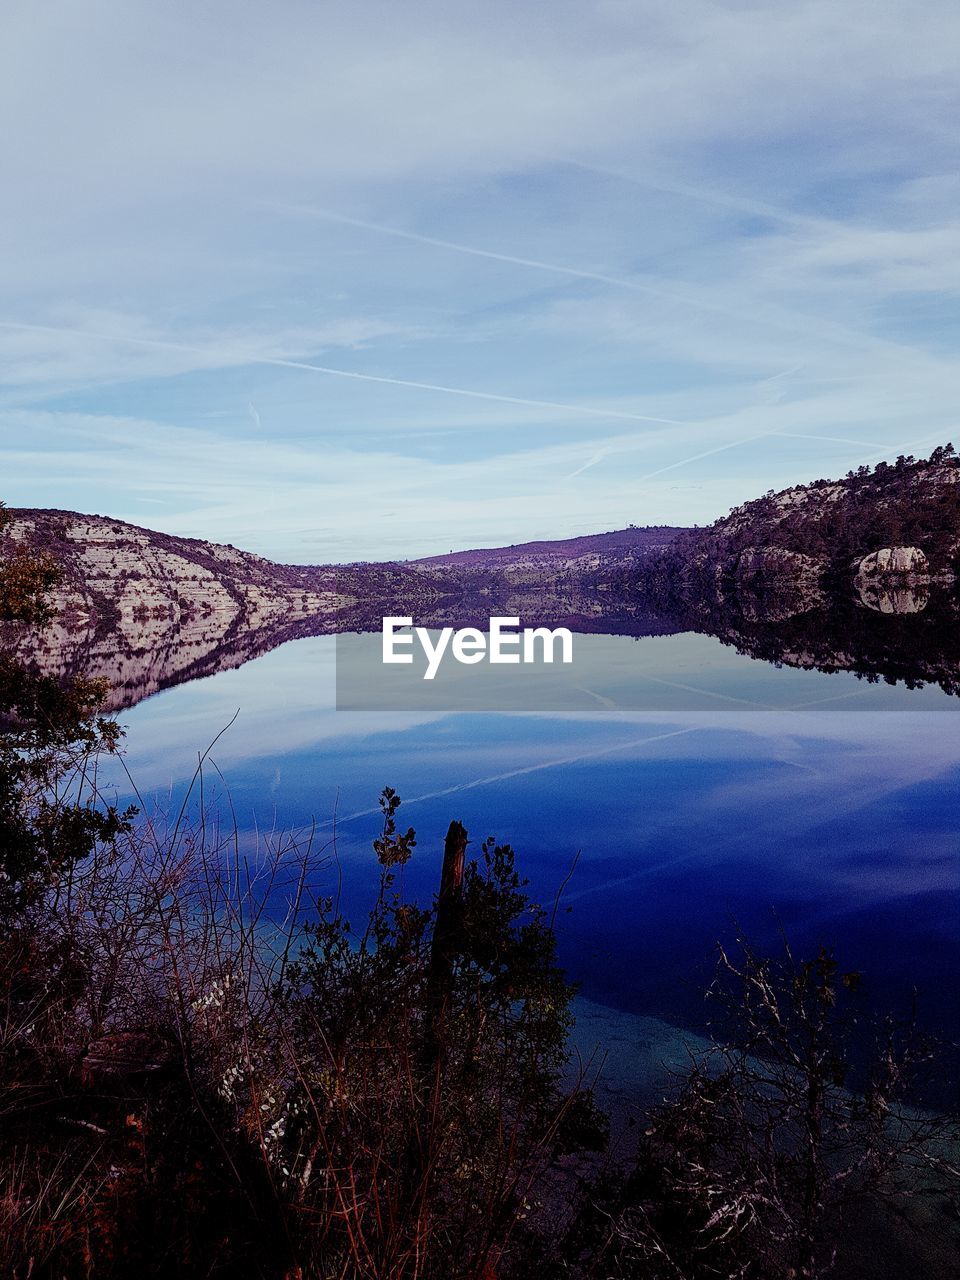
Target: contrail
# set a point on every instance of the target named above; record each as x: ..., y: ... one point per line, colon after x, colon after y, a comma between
x: 784, y: 373
x: 786, y: 323
x: 519, y: 773
x: 479, y: 395
x: 888, y: 448
x: 222, y: 357
x: 802, y: 435
x: 210, y: 353
x: 708, y: 453
x: 593, y: 460
x: 768, y: 435
x: 705, y: 195
x: 620, y: 282
x: 610, y: 450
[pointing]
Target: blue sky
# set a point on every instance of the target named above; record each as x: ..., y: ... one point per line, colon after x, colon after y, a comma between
x: 674, y: 254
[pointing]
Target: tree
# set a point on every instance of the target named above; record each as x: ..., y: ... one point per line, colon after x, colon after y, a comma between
x: 428, y: 1098
x: 25, y: 579
x: 49, y: 733
x: 778, y: 1135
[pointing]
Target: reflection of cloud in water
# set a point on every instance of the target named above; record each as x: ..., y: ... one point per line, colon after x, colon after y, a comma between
x: 687, y: 821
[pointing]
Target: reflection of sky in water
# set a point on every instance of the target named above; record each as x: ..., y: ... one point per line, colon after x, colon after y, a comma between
x: 687, y: 823
x: 686, y: 671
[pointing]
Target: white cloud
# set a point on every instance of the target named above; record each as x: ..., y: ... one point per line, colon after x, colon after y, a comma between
x: 158, y: 96
x: 707, y: 212
x: 86, y: 345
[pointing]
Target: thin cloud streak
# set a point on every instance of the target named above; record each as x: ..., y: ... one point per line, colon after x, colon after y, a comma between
x: 490, y: 779
x: 790, y: 322
x: 803, y: 435
x: 705, y: 195
x: 275, y: 362
x: 708, y: 453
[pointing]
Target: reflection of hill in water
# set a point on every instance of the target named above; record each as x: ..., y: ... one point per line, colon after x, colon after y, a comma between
x: 907, y: 599
x: 905, y: 634
x: 139, y: 657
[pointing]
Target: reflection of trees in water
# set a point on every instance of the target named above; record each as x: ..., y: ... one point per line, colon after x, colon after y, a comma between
x: 138, y: 662
x: 902, y: 633
x: 905, y: 635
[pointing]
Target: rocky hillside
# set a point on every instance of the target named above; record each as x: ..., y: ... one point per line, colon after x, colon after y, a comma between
x: 143, y: 608
x: 894, y: 523
x: 112, y: 571
x: 118, y: 574
x: 146, y: 609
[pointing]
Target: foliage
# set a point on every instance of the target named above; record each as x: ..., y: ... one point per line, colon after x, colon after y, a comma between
x: 51, y: 732
x: 835, y: 523
x: 26, y: 577
x: 776, y: 1137
x: 278, y: 1093
x: 339, y: 1105
x: 418, y: 1150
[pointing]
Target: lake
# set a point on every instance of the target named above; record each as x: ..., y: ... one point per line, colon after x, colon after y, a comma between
x: 682, y: 824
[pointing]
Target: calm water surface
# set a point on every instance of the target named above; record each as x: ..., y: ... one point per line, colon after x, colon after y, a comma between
x: 838, y: 823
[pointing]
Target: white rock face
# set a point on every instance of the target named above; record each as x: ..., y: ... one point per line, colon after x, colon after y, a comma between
x: 143, y: 609
x: 775, y: 564
x: 894, y: 560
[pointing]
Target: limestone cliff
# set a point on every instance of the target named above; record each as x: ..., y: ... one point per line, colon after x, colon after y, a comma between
x: 145, y: 609
x: 892, y: 523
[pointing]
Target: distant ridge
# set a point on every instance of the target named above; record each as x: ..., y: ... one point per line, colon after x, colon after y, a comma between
x: 617, y: 543
x: 146, y: 610
x: 118, y: 574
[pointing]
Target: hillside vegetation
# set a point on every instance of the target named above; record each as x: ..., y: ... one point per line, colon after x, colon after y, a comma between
x: 900, y: 519
x: 912, y: 503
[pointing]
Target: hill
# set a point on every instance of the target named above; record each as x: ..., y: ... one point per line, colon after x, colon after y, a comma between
x: 146, y: 610
x: 593, y: 547
x: 892, y: 522
x: 112, y: 570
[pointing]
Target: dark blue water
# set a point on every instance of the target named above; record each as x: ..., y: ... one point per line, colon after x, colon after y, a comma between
x: 838, y: 827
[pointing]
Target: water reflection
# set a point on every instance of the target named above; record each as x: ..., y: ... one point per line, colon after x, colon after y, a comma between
x: 689, y: 822
x: 688, y: 825
x: 901, y: 635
